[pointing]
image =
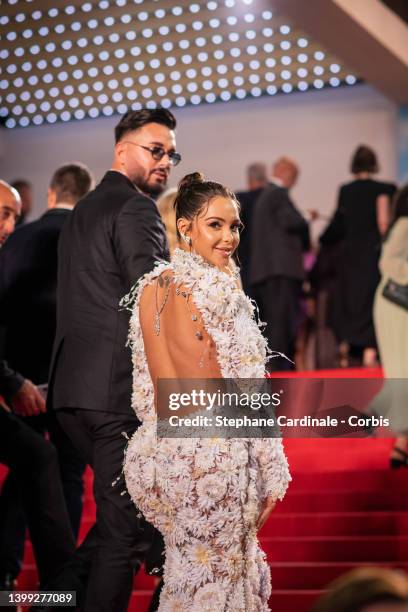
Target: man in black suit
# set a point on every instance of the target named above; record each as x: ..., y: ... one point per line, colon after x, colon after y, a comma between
x: 114, y: 236
x: 28, y: 276
x: 279, y: 236
x: 26, y: 398
x: 28, y: 285
x: 34, y: 462
x: 30, y: 456
x: 257, y: 181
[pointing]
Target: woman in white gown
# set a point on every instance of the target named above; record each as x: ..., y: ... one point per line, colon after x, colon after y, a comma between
x: 208, y: 497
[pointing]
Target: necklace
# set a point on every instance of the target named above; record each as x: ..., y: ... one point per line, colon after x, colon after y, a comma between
x: 198, y: 334
x: 159, y: 309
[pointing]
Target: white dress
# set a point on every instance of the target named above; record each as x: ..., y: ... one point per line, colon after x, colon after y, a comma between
x: 205, y: 495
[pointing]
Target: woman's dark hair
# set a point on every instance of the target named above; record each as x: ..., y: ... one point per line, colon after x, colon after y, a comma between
x: 133, y: 120
x: 362, y: 587
x: 194, y: 192
x: 364, y: 160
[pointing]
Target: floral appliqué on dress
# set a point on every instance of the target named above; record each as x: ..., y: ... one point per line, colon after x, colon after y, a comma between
x: 205, y: 495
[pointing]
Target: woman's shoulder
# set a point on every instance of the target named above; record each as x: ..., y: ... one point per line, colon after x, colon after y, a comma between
x: 397, y: 237
x: 400, y: 229
x: 158, y: 283
x: 131, y: 299
x: 369, y: 183
x: 384, y: 187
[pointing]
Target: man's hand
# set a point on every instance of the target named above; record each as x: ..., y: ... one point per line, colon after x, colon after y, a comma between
x: 28, y: 401
x: 268, y: 505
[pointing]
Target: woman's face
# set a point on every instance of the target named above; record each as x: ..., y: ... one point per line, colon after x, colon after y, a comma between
x: 214, y: 232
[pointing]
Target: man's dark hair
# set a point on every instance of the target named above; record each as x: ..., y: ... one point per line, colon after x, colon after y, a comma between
x: 364, y: 160
x: 71, y: 182
x: 21, y: 184
x: 133, y: 120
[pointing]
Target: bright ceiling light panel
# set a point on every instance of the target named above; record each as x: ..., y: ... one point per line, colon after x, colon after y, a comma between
x: 63, y: 61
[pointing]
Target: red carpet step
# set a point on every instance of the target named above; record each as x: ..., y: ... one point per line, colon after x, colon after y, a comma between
x: 303, y: 576
x: 341, y: 548
x: 344, y: 509
x: 298, y: 524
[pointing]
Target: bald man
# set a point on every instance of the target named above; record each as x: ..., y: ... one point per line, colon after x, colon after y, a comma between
x: 25, y: 191
x: 279, y: 236
x: 31, y: 457
x: 10, y: 210
x: 25, y: 398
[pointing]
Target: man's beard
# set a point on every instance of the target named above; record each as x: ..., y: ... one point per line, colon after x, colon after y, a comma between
x: 153, y: 191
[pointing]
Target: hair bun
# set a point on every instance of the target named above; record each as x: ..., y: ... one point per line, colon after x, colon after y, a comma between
x: 190, y: 179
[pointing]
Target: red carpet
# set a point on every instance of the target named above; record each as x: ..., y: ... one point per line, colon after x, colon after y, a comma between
x: 344, y: 508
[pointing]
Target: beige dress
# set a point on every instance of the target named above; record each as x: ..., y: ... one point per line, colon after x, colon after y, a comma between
x: 391, y: 325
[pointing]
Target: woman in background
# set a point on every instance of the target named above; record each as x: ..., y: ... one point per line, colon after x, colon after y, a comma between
x: 360, y: 222
x: 391, y: 324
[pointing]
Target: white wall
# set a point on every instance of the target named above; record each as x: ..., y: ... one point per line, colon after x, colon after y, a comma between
x: 319, y: 129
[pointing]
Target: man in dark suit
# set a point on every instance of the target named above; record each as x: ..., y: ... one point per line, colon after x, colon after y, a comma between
x: 28, y: 276
x: 26, y: 397
x: 34, y: 462
x: 30, y: 456
x: 279, y: 236
x: 257, y: 181
x: 114, y: 236
x: 28, y: 285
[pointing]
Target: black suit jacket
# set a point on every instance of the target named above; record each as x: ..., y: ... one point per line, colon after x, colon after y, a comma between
x: 279, y: 235
x: 10, y: 381
x: 113, y: 237
x: 247, y: 200
x: 28, y: 284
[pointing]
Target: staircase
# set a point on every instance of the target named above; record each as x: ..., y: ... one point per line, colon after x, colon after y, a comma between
x: 344, y: 508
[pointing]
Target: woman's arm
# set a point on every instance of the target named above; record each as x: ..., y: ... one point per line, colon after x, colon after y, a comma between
x: 273, y: 466
x: 383, y: 213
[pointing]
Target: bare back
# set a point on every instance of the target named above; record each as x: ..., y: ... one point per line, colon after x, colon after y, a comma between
x: 176, y: 342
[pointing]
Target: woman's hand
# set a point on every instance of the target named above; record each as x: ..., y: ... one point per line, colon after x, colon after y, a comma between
x: 268, y: 505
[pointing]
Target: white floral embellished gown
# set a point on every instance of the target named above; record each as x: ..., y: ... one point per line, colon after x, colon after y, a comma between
x: 205, y: 495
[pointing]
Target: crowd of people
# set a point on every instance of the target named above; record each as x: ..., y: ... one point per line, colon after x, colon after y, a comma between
x: 331, y: 285
x: 78, y: 374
